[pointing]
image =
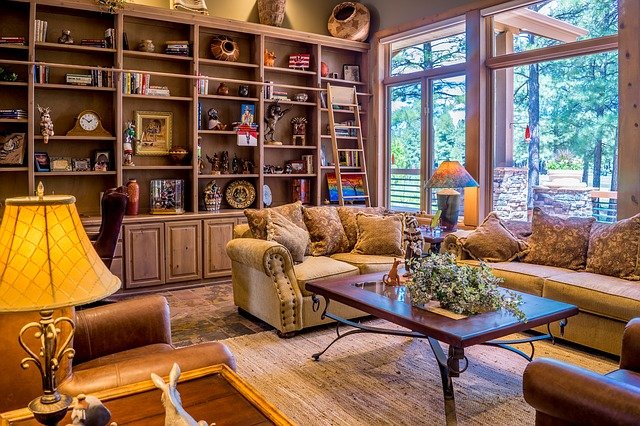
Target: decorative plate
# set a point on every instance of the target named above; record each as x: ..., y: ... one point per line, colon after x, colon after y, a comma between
x: 267, y: 198
x: 240, y: 194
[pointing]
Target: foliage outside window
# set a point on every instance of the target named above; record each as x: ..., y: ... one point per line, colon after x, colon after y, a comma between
x: 428, y: 54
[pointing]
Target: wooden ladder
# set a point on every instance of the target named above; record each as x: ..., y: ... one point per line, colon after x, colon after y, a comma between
x: 346, y: 99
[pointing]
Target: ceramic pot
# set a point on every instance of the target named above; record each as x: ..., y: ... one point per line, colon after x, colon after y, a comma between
x: 243, y: 91
x: 271, y: 12
x: 146, y: 46
x: 349, y: 20
x: 223, y: 48
x: 133, y: 192
x: 223, y: 89
x: 324, y: 69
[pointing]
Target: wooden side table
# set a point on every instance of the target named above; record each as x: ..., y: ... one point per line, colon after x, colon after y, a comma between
x: 434, y: 241
x: 215, y: 394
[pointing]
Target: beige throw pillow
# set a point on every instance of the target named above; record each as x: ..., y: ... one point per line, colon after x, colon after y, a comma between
x: 493, y: 242
x: 558, y: 242
x: 325, y: 230
x: 283, y: 231
x: 614, y: 249
x: 379, y: 235
x: 257, y: 219
x: 348, y: 219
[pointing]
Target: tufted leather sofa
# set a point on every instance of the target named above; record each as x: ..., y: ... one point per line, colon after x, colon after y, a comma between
x: 116, y: 344
x: 563, y: 394
x: 268, y: 285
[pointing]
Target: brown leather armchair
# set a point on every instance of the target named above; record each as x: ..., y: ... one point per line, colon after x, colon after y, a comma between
x: 563, y: 394
x: 115, y: 344
x: 114, y: 205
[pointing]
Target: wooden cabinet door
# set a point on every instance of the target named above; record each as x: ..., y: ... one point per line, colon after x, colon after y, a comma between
x: 217, y: 233
x: 184, y: 250
x: 144, y: 255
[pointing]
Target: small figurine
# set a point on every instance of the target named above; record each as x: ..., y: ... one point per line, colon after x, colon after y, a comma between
x: 274, y: 113
x: 224, y: 162
x: 174, y: 413
x: 235, y: 164
x: 46, y: 124
x: 65, y: 38
x: 200, y: 162
x: 288, y: 169
x: 299, y: 125
x: 127, y: 145
x: 392, y: 278
x: 89, y: 411
x: 247, y: 167
x: 212, y: 197
x: 413, y: 241
x: 243, y: 91
x: 269, y: 58
x: 223, y: 89
x: 215, y: 164
x: 214, y: 121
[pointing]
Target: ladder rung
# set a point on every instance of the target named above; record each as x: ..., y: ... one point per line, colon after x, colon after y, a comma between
x: 355, y: 196
x: 340, y: 104
x: 350, y: 150
x: 355, y: 172
x: 340, y: 126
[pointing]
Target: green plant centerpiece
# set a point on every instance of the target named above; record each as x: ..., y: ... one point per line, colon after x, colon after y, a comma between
x: 461, y: 289
x: 564, y: 160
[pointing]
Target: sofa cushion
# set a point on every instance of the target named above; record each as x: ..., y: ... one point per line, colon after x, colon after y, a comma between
x: 348, y: 219
x: 283, y: 231
x: 325, y: 230
x: 609, y: 297
x: 257, y: 219
x: 558, y: 242
x: 614, y: 250
x: 493, y: 242
x: 519, y: 228
x: 316, y: 268
x: 379, y: 235
x: 366, y: 263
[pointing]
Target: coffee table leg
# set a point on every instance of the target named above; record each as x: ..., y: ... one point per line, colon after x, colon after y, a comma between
x: 449, y: 368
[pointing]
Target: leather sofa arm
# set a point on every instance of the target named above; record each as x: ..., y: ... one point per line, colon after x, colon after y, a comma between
x: 630, y: 355
x: 120, y: 326
x: 579, y: 396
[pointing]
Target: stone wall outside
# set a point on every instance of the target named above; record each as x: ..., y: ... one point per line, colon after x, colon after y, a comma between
x: 510, y: 193
x: 564, y: 201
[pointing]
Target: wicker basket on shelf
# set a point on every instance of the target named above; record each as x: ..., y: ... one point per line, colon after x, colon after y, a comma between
x: 349, y: 20
x: 271, y: 12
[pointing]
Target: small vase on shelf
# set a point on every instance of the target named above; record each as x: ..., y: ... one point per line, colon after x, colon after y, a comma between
x: 133, y: 192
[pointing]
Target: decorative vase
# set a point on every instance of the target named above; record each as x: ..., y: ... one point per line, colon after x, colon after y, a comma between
x: 324, y: 69
x: 271, y: 12
x: 133, y: 192
x: 243, y: 91
x: 146, y: 46
x: 224, y: 48
x: 223, y: 89
x: 349, y: 20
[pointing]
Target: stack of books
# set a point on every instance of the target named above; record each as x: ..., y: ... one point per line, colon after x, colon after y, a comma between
x: 13, y: 113
x: 346, y: 132
x: 135, y: 83
x: 203, y: 86
x: 41, y: 31
x: 17, y: 41
x: 94, y: 42
x: 177, y: 47
x: 158, y: 91
x: 279, y: 95
x: 78, y: 79
x: 41, y: 73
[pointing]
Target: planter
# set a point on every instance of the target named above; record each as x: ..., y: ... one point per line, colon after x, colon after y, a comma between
x: 223, y: 48
x: 564, y: 174
x: 271, y: 12
x: 350, y: 21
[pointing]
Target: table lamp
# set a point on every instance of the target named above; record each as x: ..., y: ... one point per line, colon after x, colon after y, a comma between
x: 450, y: 175
x: 47, y: 262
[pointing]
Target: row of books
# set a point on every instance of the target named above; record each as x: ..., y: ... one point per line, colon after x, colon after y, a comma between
x: 41, y: 30
x: 137, y: 83
x: 19, y: 41
x: 345, y: 132
x: 349, y: 158
x: 177, y: 47
x: 203, y: 87
x: 13, y: 113
x: 95, y: 78
x: 41, y: 73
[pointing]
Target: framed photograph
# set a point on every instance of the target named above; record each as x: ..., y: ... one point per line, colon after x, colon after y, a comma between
x: 352, y: 184
x: 154, y: 132
x: 102, y: 161
x: 12, y: 150
x: 60, y: 164
x: 42, y: 162
x: 351, y: 72
x: 81, y: 164
x: 247, y: 113
x: 297, y: 166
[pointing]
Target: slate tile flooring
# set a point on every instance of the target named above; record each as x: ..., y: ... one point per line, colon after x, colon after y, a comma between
x: 208, y: 313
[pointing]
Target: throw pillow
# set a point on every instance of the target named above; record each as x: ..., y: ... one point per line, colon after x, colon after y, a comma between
x: 558, y: 242
x: 348, y: 219
x: 379, y: 235
x: 614, y: 249
x: 257, y: 219
x: 283, y: 231
x: 325, y: 230
x: 493, y: 242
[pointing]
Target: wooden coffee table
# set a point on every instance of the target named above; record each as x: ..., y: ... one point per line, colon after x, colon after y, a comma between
x: 215, y: 394
x: 368, y: 294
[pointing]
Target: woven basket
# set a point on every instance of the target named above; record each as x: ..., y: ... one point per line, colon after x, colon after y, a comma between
x: 271, y: 12
x: 350, y: 21
x: 223, y: 48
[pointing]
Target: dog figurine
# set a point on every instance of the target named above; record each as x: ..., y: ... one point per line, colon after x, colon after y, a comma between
x: 392, y: 278
x: 269, y: 58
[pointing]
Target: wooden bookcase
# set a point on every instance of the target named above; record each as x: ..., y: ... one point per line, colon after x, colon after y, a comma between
x: 188, y: 107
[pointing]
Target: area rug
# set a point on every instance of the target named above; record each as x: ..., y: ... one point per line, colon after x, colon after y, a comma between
x: 378, y: 380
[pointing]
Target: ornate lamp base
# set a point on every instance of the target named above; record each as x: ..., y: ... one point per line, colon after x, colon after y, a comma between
x: 50, y: 413
x: 449, y: 204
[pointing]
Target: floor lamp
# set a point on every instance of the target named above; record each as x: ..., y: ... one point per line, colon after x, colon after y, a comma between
x: 47, y: 262
x: 450, y: 175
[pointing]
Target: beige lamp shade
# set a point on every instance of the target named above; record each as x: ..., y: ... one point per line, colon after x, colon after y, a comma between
x: 46, y: 258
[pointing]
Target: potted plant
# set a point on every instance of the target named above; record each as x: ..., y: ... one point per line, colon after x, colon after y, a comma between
x: 564, y: 165
x: 461, y: 289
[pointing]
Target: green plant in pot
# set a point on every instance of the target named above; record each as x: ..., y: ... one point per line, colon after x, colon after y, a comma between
x: 564, y: 160
x: 462, y: 289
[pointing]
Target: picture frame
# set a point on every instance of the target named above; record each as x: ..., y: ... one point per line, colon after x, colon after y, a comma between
x: 352, y: 185
x: 351, y: 72
x: 42, y: 162
x: 297, y: 166
x: 12, y: 149
x: 154, y: 131
x: 247, y: 113
x: 102, y: 161
x: 60, y: 164
x: 81, y: 164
